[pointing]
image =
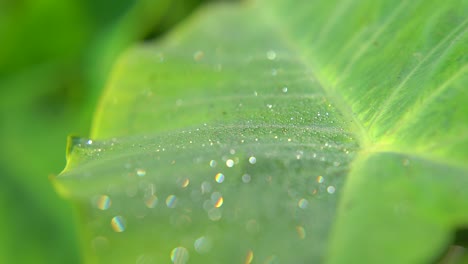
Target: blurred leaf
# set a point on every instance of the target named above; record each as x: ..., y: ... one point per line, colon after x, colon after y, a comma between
x: 231, y: 140
x: 47, y: 91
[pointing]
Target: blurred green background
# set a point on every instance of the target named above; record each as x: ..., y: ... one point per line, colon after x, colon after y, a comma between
x: 54, y: 59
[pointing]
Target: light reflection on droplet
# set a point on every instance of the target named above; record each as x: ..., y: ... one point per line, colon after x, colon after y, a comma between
x: 301, y: 232
x: 179, y: 255
x: 303, y: 203
x: 331, y: 189
x: 103, y: 202
x: 213, y: 163
x: 151, y: 201
x: 285, y: 89
x: 249, y: 257
x: 246, y: 178
x: 215, y: 214
x: 202, y: 245
x: 219, y: 202
x: 171, y: 201
x: 118, y: 224
x: 271, y: 55
x: 320, y: 179
x: 229, y: 163
x: 141, y: 172
x: 185, y: 183
x: 219, y: 178
x: 252, y: 160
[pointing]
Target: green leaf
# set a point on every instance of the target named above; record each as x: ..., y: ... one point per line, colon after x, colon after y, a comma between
x: 339, y: 128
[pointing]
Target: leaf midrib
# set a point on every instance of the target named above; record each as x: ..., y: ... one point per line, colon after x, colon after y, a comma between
x: 355, y: 125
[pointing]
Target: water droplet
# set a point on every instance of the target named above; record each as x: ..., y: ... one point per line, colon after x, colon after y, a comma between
x: 202, y: 245
x: 232, y: 151
x: 229, y: 163
x: 255, y: 93
x: 303, y: 203
x: 219, y: 202
x: 246, y: 178
x: 198, y: 55
x: 213, y: 163
x: 271, y: 55
x: 289, y: 140
x: 219, y: 178
x: 252, y: 160
x: 185, y: 182
x: 171, y: 201
x: 179, y: 255
x: 118, y: 224
x: 285, y: 89
x: 100, y: 244
x: 141, y: 172
x: 331, y: 189
x: 269, y: 106
x: 89, y: 142
x: 206, y: 187
x: 272, y: 260
x: 249, y: 257
x: 215, y: 214
x: 151, y: 201
x: 103, y: 202
x: 320, y: 179
x: 301, y: 232
x: 406, y: 162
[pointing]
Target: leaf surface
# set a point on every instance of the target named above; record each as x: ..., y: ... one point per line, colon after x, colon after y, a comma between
x: 271, y: 132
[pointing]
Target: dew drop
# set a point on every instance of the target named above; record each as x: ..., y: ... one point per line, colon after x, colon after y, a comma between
x: 213, y: 163
x: 301, y: 232
x: 151, y: 201
x: 406, y: 162
x: 271, y: 55
x: 103, y: 202
x: 202, y: 245
x: 118, y: 224
x: 249, y: 257
x: 303, y: 203
x: 269, y: 106
x: 206, y: 187
x: 179, y: 255
x: 229, y: 163
x: 331, y: 189
x: 246, y: 178
x: 198, y: 55
x: 252, y: 160
x: 141, y: 172
x: 285, y: 89
x: 171, y: 201
x: 185, y: 182
x: 219, y: 178
x: 219, y: 202
x: 215, y: 214
x: 320, y: 179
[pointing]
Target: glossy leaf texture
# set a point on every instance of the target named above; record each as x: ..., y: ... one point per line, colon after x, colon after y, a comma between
x: 271, y: 132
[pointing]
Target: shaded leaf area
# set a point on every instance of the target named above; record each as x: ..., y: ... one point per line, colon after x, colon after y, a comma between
x: 369, y: 94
